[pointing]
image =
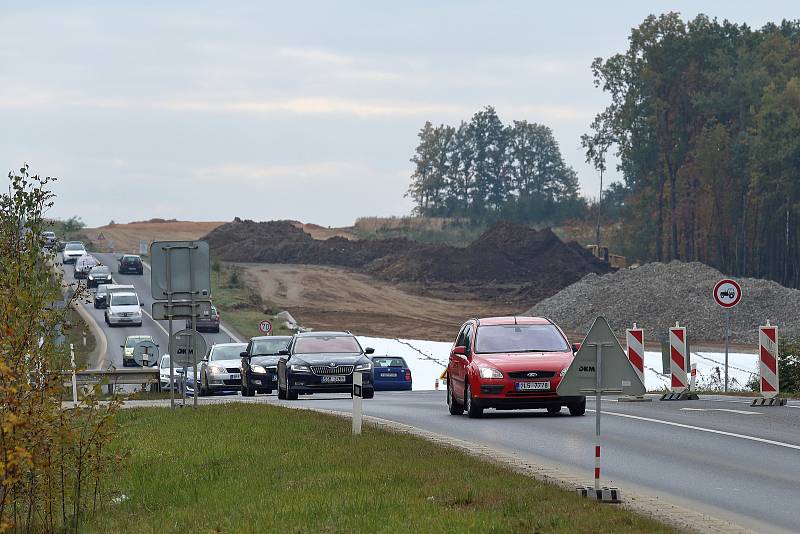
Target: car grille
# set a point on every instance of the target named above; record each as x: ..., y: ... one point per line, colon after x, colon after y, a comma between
x: 539, y: 374
x: 328, y: 370
x: 233, y: 369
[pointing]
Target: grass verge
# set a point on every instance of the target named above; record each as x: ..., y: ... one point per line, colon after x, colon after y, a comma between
x: 259, y: 468
x: 75, y: 332
x: 239, y: 303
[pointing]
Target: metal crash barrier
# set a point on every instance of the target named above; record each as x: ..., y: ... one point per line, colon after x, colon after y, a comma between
x: 113, y: 377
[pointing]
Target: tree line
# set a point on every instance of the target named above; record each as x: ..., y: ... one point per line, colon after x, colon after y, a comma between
x: 705, y: 119
x: 484, y: 171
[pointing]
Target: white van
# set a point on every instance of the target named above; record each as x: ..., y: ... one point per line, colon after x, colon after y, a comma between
x: 124, y: 309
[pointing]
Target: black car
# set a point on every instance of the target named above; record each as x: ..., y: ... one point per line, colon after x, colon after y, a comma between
x: 260, y: 364
x: 208, y: 323
x: 130, y: 264
x: 99, y: 274
x: 323, y: 362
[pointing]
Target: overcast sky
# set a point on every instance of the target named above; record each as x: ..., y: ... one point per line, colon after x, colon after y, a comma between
x: 302, y: 110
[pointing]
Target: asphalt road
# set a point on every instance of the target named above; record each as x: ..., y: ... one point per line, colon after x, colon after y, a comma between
x: 717, y: 456
x: 158, y: 329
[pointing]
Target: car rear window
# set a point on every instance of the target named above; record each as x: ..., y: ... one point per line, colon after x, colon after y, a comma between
x: 389, y: 362
x: 520, y: 338
x: 320, y: 344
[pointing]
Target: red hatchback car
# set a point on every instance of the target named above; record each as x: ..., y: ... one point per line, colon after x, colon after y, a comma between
x: 509, y: 363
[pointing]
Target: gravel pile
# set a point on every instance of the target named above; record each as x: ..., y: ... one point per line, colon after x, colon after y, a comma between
x: 656, y: 295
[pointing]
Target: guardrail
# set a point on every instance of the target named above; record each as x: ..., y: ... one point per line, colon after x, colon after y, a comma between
x: 112, y: 377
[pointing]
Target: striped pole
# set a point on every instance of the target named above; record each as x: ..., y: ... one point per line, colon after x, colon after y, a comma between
x: 677, y: 350
x: 768, y: 350
x: 597, y: 467
x: 693, y: 379
x: 635, y: 338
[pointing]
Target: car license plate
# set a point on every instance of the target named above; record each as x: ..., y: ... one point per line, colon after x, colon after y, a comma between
x: 329, y: 379
x: 235, y: 376
x: 389, y: 375
x: 533, y: 386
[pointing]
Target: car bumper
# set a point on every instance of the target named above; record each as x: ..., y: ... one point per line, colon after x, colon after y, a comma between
x: 129, y: 271
x: 224, y: 382
x: 125, y: 321
x: 261, y: 381
x: 393, y: 386
x: 311, y: 383
x: 504, y: 395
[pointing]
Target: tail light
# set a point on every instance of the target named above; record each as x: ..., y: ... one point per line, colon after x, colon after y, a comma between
x: 408, y: 375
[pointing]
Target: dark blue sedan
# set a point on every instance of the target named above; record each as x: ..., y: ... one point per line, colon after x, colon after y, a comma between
x: 391, y: 373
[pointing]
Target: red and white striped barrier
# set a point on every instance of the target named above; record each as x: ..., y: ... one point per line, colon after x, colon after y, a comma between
x: 635, y: 338
x: 677, y: 352
x: 768, y: 350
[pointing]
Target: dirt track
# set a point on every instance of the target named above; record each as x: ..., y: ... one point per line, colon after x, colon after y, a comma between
x: 336, y: 298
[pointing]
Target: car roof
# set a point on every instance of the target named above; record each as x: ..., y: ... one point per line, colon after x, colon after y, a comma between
x: 227, y: 344
x: 109, y: 287
x: 131, y: 256
x: 262, y: 338
x: 140, y: 336
x: 324, y: 334
x: 100, y: 266
x: 133, y: 293
x: 513, y: 319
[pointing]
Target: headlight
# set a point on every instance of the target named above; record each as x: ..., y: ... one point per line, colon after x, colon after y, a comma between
x: 91, y: 277
x: 258, y: 369
x: 300, y: 368
x: 490, y: 372
x: 217, y: 370
x: 364, y: 366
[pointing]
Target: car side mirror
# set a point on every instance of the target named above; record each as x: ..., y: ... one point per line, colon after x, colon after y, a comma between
x: 141, y: 304
x: 283, y: 352
x: 122, y: 346
x: 369, y: 350
x: 576, y: 347
x: 243, y: 354
x: 461, y: 351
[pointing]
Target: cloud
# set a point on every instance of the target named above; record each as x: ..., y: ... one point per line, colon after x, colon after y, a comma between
x: 252, y: 174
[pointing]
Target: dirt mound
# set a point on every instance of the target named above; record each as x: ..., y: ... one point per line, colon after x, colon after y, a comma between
x: 656, y: 295
x: 284, y: 242
x: 505, y: 252
x: 527, y: 263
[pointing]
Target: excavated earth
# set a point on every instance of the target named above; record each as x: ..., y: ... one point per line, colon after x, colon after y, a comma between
x: 508, y: 262
x: 656, y: 295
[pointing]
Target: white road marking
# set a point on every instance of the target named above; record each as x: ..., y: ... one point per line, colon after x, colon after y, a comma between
x: 701, y: 429
x: 157, y: 323
x: 719, y: 410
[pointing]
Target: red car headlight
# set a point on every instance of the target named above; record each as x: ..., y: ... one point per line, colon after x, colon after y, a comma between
x: 490, y: 372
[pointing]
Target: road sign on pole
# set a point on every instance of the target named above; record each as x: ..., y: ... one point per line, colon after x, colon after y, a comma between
x: 188, y: 272
x: 189, y: 347
x: 727, y: 293
x: 180, y: 309
x: 145, y: 353
x: 600, y: 366
x: 265, y: 327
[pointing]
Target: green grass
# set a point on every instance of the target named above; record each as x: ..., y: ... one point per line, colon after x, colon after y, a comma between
x: 74, y: 334
x: 240, y: 305
x: 260, y: 468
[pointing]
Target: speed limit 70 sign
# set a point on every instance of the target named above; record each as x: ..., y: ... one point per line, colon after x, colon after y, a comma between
x: 727, y: 293
x: 265, y: 327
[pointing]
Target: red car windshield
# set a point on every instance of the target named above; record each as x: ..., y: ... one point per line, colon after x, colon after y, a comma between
x: 520, y: 338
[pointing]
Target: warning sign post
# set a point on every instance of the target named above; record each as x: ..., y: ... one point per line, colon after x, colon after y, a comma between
x: 600, y: 366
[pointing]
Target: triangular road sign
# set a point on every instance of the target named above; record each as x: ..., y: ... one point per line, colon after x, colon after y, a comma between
x: 618, y: 375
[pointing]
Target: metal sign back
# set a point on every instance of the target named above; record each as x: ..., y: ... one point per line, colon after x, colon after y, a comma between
x: 181, y: 309
x: 182, y: 258
x: 145, y: 353
x: 617, y: 373
x: 189, y: 346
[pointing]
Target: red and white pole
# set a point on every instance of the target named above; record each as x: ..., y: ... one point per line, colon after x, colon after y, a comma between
x: 597, y: 467
x: 677, y: 351
x: 693, y: 379
x: 635, y: 339
x: 768, y: 354
x: 436, y: 385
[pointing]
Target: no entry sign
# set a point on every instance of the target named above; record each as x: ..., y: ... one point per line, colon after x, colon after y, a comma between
x: 727, y: 293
